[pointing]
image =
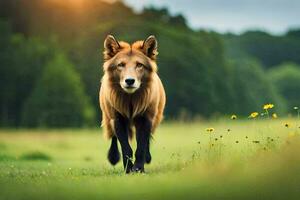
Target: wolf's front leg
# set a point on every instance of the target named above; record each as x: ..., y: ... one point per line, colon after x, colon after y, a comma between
x: 121, y: 128
x: 143, y: 131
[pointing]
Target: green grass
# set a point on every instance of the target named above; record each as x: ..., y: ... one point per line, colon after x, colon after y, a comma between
x: 35, y: 155
x: 254, y: 160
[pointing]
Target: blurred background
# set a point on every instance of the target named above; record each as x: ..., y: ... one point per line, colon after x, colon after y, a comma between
x: 215, y: 57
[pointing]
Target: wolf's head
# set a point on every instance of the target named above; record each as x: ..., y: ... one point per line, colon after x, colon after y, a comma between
x: 129, y: 66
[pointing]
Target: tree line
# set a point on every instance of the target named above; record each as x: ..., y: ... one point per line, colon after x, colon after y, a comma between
x: 51, y: 59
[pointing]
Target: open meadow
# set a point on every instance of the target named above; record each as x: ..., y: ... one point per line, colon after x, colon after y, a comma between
x: 224, y: 75
x: 232, y: 159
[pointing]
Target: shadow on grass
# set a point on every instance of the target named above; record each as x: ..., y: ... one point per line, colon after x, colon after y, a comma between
x: 157, y: 170
x: 36, y: 155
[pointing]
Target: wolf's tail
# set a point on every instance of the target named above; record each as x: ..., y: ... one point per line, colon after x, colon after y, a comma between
x: 113, y: 152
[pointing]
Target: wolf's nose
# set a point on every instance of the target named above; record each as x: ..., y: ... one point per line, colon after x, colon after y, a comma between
x: 129, y: 81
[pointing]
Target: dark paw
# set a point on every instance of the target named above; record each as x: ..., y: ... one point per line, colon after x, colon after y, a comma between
x: 113, y: 156
x: 138, y: 169
x: 128, y: 170
x: 113, y: 152
x: 148, y: 158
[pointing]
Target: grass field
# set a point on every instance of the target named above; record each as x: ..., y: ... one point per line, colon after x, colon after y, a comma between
x: 252, y: 159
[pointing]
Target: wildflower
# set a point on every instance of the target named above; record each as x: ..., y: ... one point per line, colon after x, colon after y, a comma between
x: 287, y: 125
x: 253, y: 115
x: 255, y: 141
x: 296, y: 108
x: 210, y: 130
x: 221, y: 136
x: 237, y: 141
x: 233, y: 117
x: 271, y: 105
x: 268, y: 106
x: 228, y: 130
x: 274, y: 115
x: 216, y: 139
x: 246, y: 137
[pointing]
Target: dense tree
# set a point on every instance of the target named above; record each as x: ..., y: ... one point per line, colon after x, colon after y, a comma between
x: 21, y: 62
x: 193, y: 65
x: 153, y: 14
x: 286, y: 78
x: 293, y: 33
x: 270, y: 50
x: 58, y: 99
x: 252, y: 88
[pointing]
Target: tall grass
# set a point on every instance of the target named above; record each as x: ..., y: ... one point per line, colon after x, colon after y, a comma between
x: 239, y: 159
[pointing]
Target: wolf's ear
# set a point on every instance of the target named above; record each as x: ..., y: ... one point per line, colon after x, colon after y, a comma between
x: 150, y: 47
x: 111, y: 47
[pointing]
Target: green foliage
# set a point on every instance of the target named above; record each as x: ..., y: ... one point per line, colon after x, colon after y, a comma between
x: 58, y: 99
x: 21, y: 60
x: 193, y: 65
x: 294, y: 33
x: 286, y: 78
x: 153, y: 14
x: 270, y: 50
x: 252, y: 88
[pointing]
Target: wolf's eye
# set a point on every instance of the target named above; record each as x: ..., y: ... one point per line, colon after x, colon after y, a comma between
x: 139, y: 65
x: 121, y: 65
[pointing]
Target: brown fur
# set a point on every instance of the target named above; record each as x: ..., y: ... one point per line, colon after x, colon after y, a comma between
x: 148, y: 100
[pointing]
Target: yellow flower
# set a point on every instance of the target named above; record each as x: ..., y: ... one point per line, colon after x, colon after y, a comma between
x: 253, y: 115
x: 233, y: 117
x: 287, y: 125
x: 210, y: 130
x: 268, y: 106
x: 274, y: 115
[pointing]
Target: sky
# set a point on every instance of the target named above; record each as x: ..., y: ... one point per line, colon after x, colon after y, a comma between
x: 275, y: 16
